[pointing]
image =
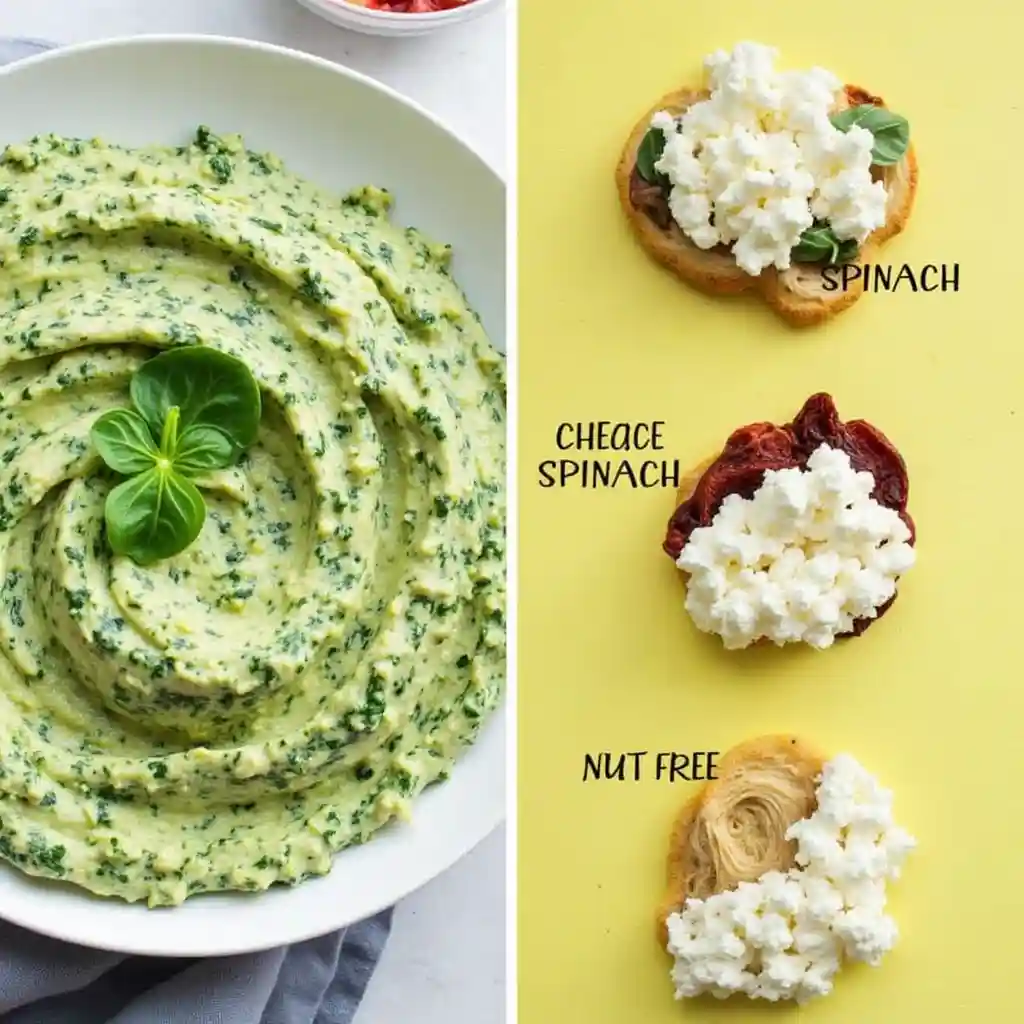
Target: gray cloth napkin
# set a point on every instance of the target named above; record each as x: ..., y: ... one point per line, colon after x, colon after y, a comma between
x: 322, y: 981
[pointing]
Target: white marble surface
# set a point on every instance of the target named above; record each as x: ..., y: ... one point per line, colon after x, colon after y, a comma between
x: 445, y: 963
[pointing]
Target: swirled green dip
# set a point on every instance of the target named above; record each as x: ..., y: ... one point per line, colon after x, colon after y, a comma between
x: 229, y: 718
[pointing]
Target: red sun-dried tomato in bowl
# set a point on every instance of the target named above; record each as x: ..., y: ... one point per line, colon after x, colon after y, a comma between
x: 400, y: 17
x: 411, y: 6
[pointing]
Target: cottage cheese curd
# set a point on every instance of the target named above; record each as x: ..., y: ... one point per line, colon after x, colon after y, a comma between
x: 786, y: 935
x: 755, y: 164
x: 804, y: 558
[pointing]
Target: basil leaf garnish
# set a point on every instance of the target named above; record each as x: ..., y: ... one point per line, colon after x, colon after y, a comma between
x: 648, y: 154
x: 890, y: 131
x: 202, y: 449
x: 154, y: 515
x: 208, y: 387
x: 195, y: 410
x: 123, y: 439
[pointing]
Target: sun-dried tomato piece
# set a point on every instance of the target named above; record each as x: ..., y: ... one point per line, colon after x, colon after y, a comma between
x: 753, y: 450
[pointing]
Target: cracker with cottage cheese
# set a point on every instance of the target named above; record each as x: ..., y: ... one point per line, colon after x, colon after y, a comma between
x: 727, y: 216
x: 794, y: 533
x: 778, y: 873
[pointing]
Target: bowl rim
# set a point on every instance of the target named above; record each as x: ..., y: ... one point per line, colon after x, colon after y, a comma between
x: 499, y: 721
x: 59, y: 51
x: 403, y: 18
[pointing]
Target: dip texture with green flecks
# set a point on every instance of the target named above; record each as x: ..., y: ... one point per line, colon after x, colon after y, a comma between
x: 230, y: 717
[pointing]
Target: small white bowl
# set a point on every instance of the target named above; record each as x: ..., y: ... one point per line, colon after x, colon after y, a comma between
x: 388, y: 23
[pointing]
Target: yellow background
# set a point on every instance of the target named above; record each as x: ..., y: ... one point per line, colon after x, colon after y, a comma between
x: 931, y: 698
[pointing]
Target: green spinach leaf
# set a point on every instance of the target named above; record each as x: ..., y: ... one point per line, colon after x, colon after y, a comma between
x: 848, y: 251
x: 818, y: 244
x: 648, y: 154
x: 891, y: 132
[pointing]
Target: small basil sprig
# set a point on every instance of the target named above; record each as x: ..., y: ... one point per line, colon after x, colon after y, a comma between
x: 818, y: 244
x: 652, y: 145
x: 891, y: 132
x: 195, y: 410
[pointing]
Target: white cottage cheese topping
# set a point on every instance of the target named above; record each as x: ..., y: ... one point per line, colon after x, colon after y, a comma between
x: 786, y: 935
x: 757, y: 162
x: 806, y: 556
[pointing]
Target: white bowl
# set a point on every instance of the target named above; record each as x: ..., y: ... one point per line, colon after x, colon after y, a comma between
x: 342, y: 130
x: 387, y: 23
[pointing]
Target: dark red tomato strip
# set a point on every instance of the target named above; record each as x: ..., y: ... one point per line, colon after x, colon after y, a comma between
x: 752, y: 450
